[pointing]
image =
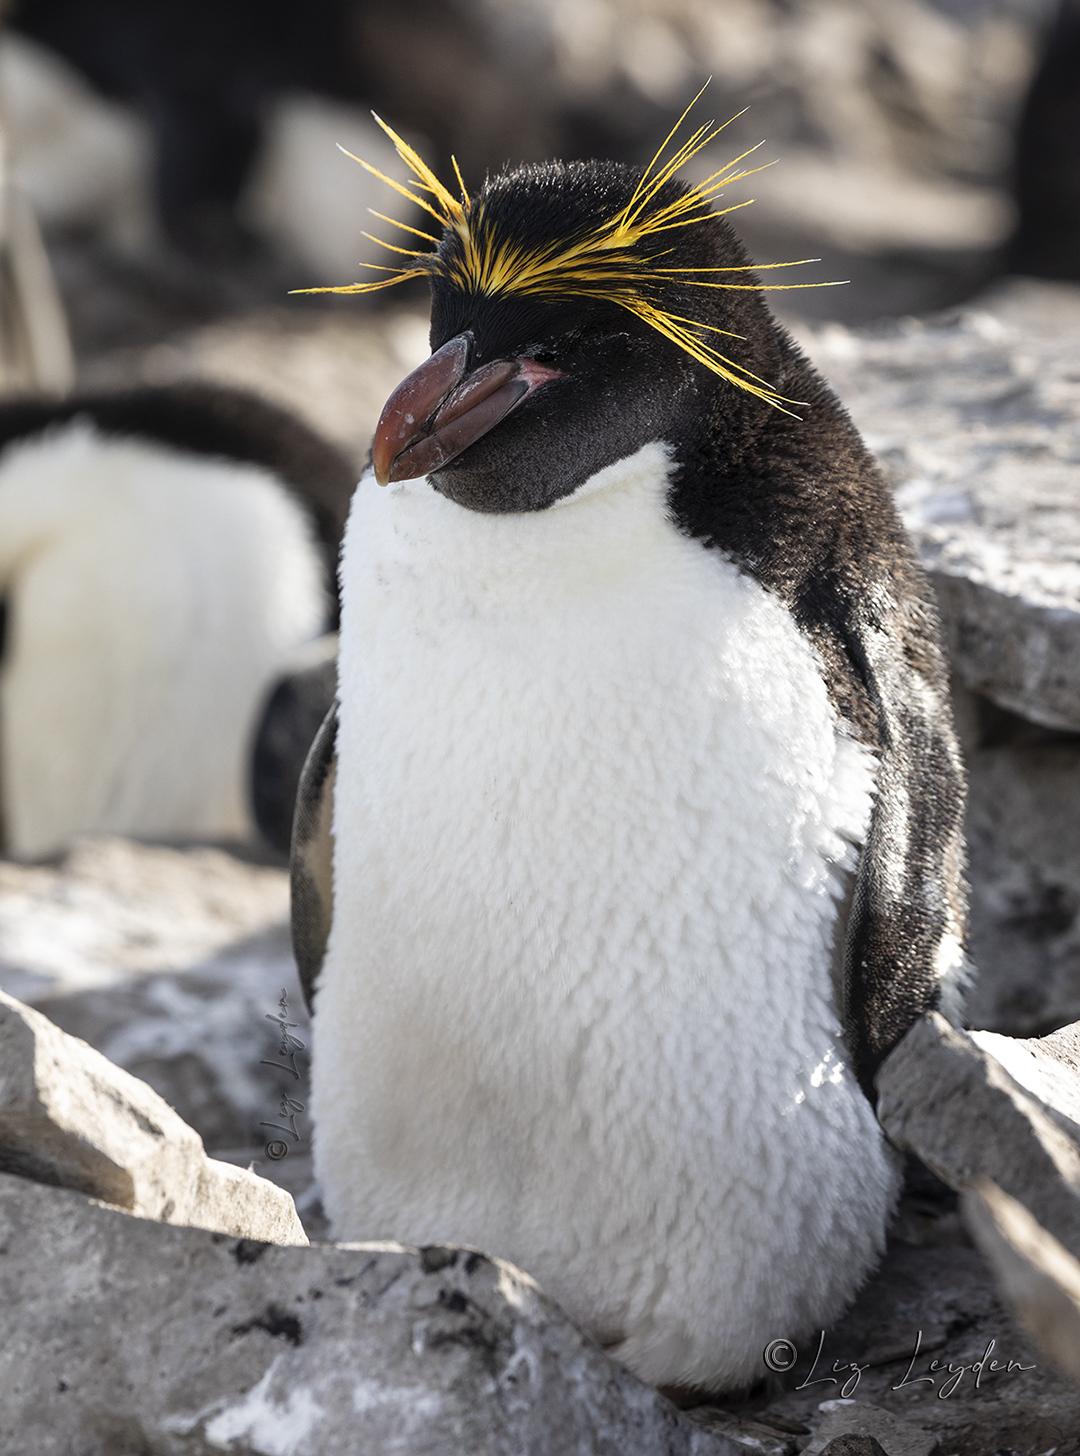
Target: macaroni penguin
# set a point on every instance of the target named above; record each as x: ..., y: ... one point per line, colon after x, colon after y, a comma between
x: 634, y: 841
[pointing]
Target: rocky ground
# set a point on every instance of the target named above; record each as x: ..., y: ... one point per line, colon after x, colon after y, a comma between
x: 174, y: 961
x: 927, y: 1303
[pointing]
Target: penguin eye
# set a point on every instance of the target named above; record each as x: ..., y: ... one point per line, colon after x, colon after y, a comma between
x: 560, y: 350
x: 557, y: 350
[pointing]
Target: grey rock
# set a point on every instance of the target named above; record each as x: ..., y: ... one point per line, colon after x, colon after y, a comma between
x: 920, y: 1337
x: 124, y: 1335
x: 68, y: 1117
x: 1039, y: 1276
x: 110, y: 909
x: 747, y: 1433
x: 862, y: 1427
x: 945, y: 1098
x: 203, y: 1036
x: 170, y: 961
x: 999, y: 1119
x: 1017, y: 652
x: 975, y: 417
x: 296, y: 1175
x: 909, y: 176
x: 855, y: 1446
x: 1046, y: 1066
x: 1023, y: 836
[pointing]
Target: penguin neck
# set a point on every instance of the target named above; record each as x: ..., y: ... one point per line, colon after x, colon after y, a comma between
x: 587, y: 543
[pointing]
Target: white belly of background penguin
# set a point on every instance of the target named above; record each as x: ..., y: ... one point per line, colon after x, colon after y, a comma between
x: 583, y: 951
x: 152, y: 596
x: 646, y: 803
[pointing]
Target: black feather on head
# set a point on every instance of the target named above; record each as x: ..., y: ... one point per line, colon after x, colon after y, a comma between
x: 574, y: 243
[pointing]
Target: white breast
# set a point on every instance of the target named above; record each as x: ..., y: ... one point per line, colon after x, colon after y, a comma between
x: 594, y: 815
x: 152, y: 597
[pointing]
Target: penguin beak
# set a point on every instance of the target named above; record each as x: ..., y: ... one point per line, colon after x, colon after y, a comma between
x: 440, y: 409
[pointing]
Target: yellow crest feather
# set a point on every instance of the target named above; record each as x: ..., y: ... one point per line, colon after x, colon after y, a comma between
x: 601, y: 264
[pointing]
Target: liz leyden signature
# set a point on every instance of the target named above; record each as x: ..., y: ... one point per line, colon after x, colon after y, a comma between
x: 288, y: 1108
x: 781, y: 1356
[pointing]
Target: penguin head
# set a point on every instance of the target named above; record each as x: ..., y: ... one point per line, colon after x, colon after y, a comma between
x: 529, y: 394
x: 578, y: 311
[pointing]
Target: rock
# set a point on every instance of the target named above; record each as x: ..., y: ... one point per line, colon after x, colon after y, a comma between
x: 918, y: 1342
x: 124, y: 1335
x: 68, y: 1117
x: 854, y: 1428
x: 109, y: 909
x: 904, y: 176
x: 749, y: 1434
x: 1039, y: 1276
x: 999, y: 1119
x: 953, y: 1104
x: 172, y: 962
x: 975, y: 417
x: 1018, y: 652
x: 1047, y: 1066
x: 200, y: 1035
x: 167, y: 960
x: 928, y: 1213
x: 1023, y: 836
x: 855, y: 1446
x: 296, y: 1174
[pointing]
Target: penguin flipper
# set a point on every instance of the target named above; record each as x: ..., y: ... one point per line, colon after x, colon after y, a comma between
x: 904, y: 943
x: 311, y: 866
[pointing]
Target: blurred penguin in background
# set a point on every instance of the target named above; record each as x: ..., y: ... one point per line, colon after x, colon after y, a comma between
x: 164, y: 555
x: 1046, y: 181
